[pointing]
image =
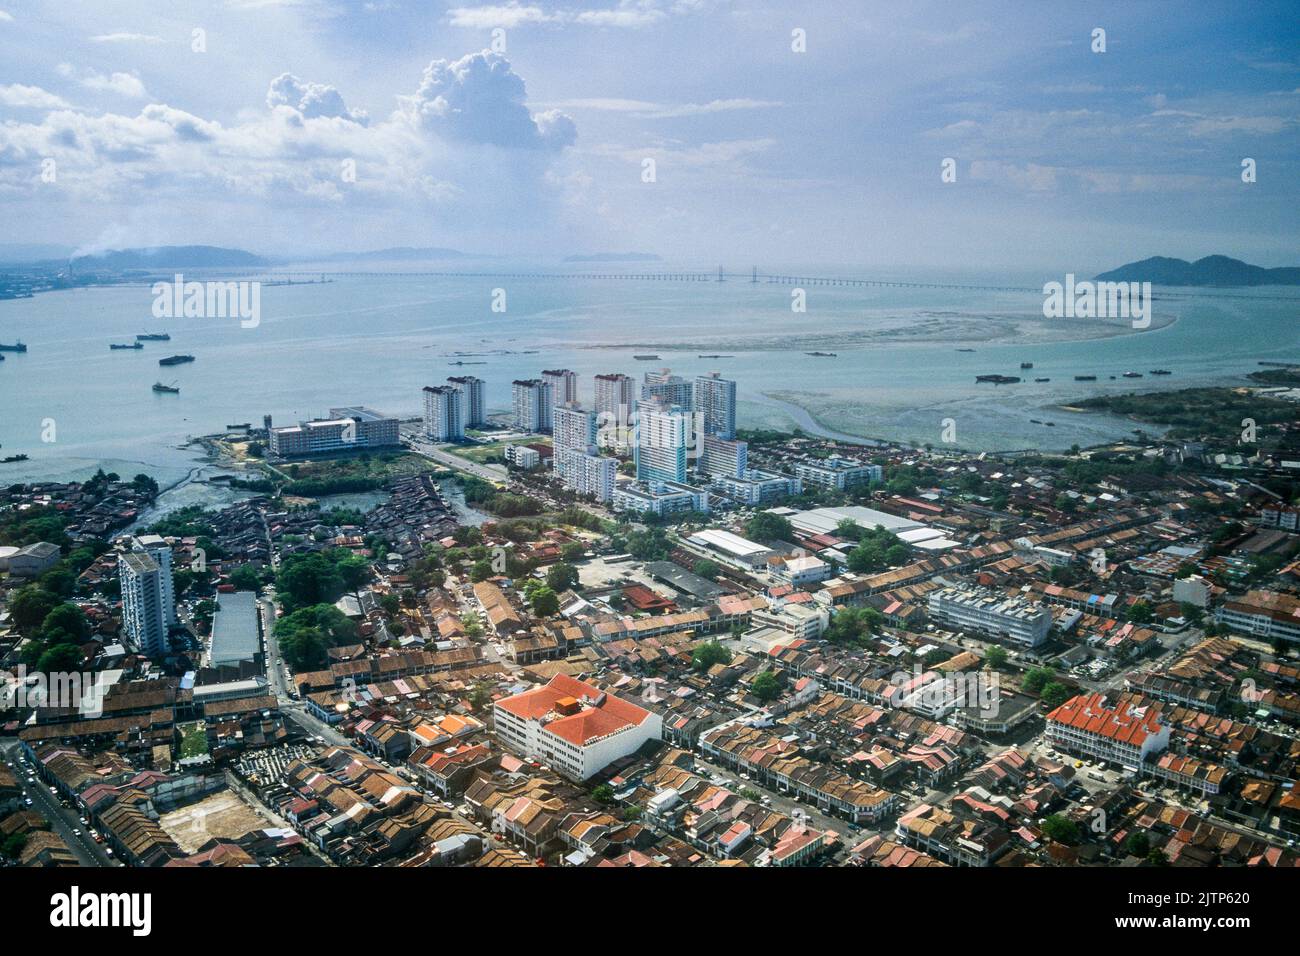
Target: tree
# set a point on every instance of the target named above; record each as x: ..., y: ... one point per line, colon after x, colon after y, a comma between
x: 61, y: 658
x: 1061, y: 829
x: 603, y: 794
x: 29, y: 606
x: 1138, y: 844
x: 1140, y: 613
x: 307, y: 633
x: 996, y: 657
x: 545, y: 602
x: 65, y: 624
x: 766, y: 526
x: 766, y: 686
x: 246, y: 578
x: 897, y: 554
x: 562, y: 577
x: 709, y: 653
x: 706, y: 568
x: 867, y: 558
x: 1055, y: 694
x: 1036, y: 678
x: 480, y: 570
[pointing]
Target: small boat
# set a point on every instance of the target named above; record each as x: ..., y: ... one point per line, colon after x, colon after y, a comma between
x: 646, y: 358
x: 1050, y: 424
x: 134, y: 346
x: 997, y: 379
x: 16, y: 347
x: 965, y: 350
x: 1036, y: 421
x: 8, y: 458
x: 238, y: 427
x: 169, y: 389
x: 1026, y: 364
x: 176, y: 360
x: 822, y: 354
x: 1132, y: 374
x: 153, y: 337
x: 1085, y: 378
x: 1042, y: 380
x: 1161, y: 371
x: 715, y: 355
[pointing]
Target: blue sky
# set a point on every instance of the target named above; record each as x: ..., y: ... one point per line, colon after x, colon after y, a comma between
x: 1066, y: 159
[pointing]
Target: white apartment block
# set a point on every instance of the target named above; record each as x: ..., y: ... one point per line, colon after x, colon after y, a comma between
x: 723, y: 457
x: 1088, y: 726
x: 473, y: 410
x: 144, y: 611
x: 756, y: 487
x: 346, y: 428
x: 715, y: 400
x: 665, y: 387
x: 160, y: 550
x: 572, y: 727
x: 663, y: 435
x: 521, y: 456
x: 660, y: 497
x: 992, y: 613
x: 444, y: 415
x: 590, y: 474
x: 1267, y: 614
x: 531, y: 405
x: 837, y: 473
x: 563, y: 384
x: 614, y: 406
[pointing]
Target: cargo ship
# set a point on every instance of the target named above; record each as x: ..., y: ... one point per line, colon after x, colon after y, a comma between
x: 646, y: 358
x: 1085, y: 378
x: 176, y: 360
x: 1161, y: 371
x: 822, y: 354
x: 169, y: 389
x: 154, y: 337
x: 1132, y: 374
x: 16, y: 347
x: 997, y: 379
x: 1026, y: 364
x: 132, y: 347
x: 1042, y: 380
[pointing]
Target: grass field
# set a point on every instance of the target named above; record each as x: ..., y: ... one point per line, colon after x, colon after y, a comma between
x: 194, y: 740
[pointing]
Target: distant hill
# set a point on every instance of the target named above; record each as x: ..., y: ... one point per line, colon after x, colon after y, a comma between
x: 616, y: 257
x: 1210, y: 271
x: 167, y: 257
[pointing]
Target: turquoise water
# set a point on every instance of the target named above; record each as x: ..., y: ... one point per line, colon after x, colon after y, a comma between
x: 378, y: 341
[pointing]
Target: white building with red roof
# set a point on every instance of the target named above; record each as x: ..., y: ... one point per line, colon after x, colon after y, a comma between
x: 573, y: 727
x: 1087, y: 725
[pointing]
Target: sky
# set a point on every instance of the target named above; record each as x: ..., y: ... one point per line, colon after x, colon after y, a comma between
x: 769, y: 132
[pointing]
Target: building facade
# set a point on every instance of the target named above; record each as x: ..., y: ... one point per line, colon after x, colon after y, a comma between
x: 444, y: 415
x: 715, y: 400
x: 144, y: 611
x: 992, y: 613
x: 473, y: 410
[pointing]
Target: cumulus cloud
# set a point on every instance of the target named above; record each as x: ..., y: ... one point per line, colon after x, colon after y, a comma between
x: 123, y: 84
x: 310, y: 100
x: 480, y: 99
x: 30, y: 97
x: 442, y: 149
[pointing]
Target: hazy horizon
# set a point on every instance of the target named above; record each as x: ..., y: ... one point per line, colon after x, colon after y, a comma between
x: 523, y: 130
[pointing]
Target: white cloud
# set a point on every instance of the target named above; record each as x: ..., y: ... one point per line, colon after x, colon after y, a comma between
x: 30, y: 97
x: 648, y: 110
x: 480, y: 99
x: 505, y: 15
x: 629, y: 13
x: 123, y: 84
x: 6, y: 17
x: 126, y: 38
x: 310, y: 100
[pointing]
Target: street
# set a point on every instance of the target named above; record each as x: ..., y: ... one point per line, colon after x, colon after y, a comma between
x: 62, y: 820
